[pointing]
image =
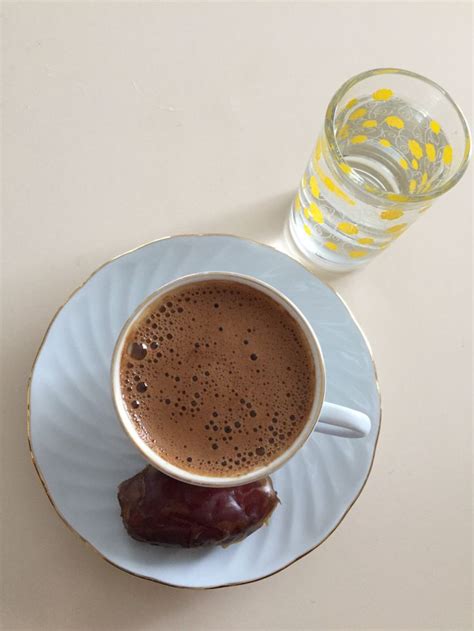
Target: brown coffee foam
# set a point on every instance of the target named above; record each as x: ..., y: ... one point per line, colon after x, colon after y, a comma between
x: 218, y: 378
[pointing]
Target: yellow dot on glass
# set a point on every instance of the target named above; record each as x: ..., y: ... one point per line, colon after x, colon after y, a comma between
x: 447, y: 155
x: 297, y: 202
x: 467, y: 149
x: 382, y: 95
x: 350, y: 104
x: 334, y: 188
x: 403, y: 163
x: 424, y: 179
x: 435, y: 127
x: 369, y: 124
x: 345, y: 167
x: 414, y: 164
x: 365, y: 241
x: 412, y: 186
x: 331, y: 246
x: 316, y: 213
x: 358, y: 114
x: 415, y: 149
x: 314, y: 186
x: 430, y: 151
x: 395, y: 121
x: 343, y: 132
x: 357, y: 254
x: 398, y: 228
x: 304, y: 181
x: 385, y: 143
x: 389, y: 215
x: 319, y: 149
x: 357, y: 140
x: 319, y: 171
x: 347, y: 228
x: 307, y: 229
x: 396, y: 197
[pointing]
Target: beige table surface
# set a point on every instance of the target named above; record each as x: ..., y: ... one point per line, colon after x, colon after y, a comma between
x: 125, y: 122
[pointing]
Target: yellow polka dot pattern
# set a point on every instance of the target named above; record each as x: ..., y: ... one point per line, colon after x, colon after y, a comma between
x: 350, y: 104
x: 447, y: 155
x: 397, y: 197
x: 358, y: 114
x: 415, y: 149
x: 430, y: 151
x: 347, y: 228
x: 363, y: 121
x: 316, y: 213
x: 390, y: 215
x: 357, y: 140
x: 395, y: 121
x: 382, y: 95
x: 319, y: 149
x: 333, y: 187
x: 396, y: 229
x: 343, y: 133
x: 345, y: 167
x: 314, y: 186
x: 403, y: 163
x: 467, y: 149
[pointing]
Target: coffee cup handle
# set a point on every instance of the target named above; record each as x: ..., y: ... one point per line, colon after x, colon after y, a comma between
x: 338, y: 420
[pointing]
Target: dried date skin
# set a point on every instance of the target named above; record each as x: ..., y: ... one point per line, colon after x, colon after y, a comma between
x: 160, y: 510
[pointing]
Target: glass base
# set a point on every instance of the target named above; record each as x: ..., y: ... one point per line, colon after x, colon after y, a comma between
x: 312, y: 258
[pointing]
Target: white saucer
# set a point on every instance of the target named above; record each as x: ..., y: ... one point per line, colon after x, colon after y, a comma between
x: 81, y: 453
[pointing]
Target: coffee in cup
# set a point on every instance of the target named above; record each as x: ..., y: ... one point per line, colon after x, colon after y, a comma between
x: 217, y: 377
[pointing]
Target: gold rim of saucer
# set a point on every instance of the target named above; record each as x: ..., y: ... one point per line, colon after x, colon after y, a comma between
x: 43, y: 481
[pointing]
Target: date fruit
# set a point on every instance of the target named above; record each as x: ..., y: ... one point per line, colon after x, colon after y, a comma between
x: 162, y: 511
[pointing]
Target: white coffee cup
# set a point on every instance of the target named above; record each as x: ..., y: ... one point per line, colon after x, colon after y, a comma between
x: 324, y: 417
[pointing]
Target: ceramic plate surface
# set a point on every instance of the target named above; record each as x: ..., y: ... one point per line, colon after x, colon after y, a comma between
x: 82, y: 454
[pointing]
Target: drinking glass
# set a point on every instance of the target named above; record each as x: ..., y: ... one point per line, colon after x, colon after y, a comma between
x: 392, y: 142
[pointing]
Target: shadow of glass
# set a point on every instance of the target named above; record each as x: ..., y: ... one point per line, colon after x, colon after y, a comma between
x: 266, y: 221
x: 262, y: 220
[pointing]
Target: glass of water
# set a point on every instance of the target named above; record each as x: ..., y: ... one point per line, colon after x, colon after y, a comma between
x: 393, y: 141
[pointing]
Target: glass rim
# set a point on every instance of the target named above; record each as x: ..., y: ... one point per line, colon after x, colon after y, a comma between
x: 353, y: 179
